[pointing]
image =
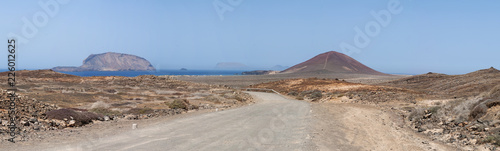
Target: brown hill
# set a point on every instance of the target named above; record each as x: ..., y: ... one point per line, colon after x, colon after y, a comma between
x: 332, y: 62
x: 486, y: 82
x: 111, y: 61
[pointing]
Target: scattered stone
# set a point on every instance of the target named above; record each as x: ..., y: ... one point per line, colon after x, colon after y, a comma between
x: 106, y: 118
x: 473, y: 128
x: 451, y: 140
x: 25, y: 123
x: 71, y: 123
x: 473, y: 141
x: 495, y: 123
x: 421, y: 130
x: 33, y: 120
x: 131, y: 117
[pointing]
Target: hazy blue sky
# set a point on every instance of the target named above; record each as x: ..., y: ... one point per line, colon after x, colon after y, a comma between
x: 424, y: 35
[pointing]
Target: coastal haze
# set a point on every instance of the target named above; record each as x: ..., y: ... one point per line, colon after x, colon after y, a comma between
x: 250, y: 75
x: 415, y: 38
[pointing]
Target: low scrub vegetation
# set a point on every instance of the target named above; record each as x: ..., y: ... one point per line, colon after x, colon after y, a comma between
x: 140, y: 111
x: 80, y: 117
x: 493, y: 139
x: 104, y: 111
x: 178, y: 104
x: 314, y: 95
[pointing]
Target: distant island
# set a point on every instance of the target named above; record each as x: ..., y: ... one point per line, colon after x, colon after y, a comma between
x: 110, y: 61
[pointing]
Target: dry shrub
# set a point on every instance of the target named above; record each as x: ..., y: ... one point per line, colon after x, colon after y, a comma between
x: 316, y: 95
x: 233, y: 96
x: 111, y: 91
x: 215, y: 99
x: 140, y: 111
x: 460, y: 108
x: 416, y: 115
x: 494, y: 92
x: 81, y: 117
x: 312, y: 94
x: 293, y: 93
x: 492, y: 103
x: 480, y: 108
x: 434, y: 110
x: 238, y: 98
x: 121, y: 104
x: 178, y: 104
x: 478, y: 111
x: 494, y: 139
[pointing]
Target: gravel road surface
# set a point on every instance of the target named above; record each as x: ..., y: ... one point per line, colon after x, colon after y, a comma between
x: 274, y: 123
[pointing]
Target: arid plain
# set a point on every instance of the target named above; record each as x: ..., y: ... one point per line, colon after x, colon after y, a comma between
x: 335, y: 105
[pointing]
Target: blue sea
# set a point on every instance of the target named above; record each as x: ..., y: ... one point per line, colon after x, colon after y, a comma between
x: 157, y: 73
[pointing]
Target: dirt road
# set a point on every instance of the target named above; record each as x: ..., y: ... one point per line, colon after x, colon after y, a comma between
x: 273, y: 123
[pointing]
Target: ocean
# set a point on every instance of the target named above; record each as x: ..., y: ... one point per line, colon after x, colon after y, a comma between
x: 157, y: 73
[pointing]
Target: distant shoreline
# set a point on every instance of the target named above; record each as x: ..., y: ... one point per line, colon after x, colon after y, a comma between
x: 176, y: 72
x: 158, y: 73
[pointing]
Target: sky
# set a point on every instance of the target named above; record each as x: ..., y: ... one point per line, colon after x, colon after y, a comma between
x: 391, y: 36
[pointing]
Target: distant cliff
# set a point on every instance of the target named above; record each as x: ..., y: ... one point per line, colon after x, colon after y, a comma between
x: 111, y: 61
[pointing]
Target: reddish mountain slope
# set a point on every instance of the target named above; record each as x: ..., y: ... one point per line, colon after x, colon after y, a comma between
x: 333, y: 62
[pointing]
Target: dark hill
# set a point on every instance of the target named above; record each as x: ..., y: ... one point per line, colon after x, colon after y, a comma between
x: 111, y: 61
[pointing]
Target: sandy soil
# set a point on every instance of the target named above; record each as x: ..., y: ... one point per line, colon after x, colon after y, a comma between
x: 342, y: 126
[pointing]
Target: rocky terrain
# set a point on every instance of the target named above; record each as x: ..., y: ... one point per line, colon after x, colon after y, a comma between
x: 332, y: 62
x: 320, y: 90
x: 246, y: 80
x: 111, y: 61
x: 459, y: 110
x: 52, y: 101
